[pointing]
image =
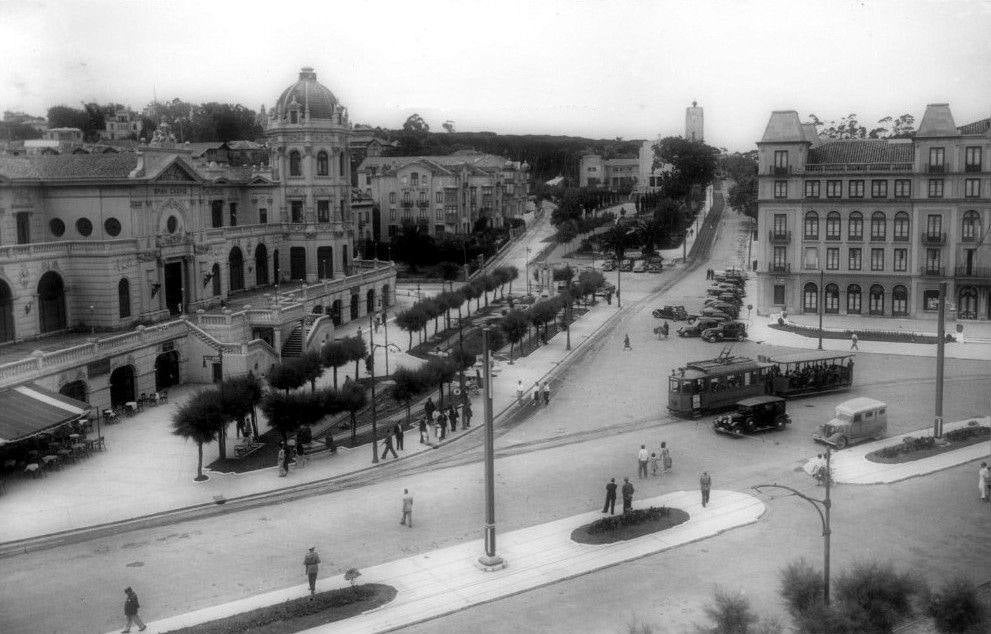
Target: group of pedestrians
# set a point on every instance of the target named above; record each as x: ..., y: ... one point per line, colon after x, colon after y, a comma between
x: 439, y: 420
x: 710, y: 274
x: 541, y: 392
x: 705, y: 488
x: 658, y: 461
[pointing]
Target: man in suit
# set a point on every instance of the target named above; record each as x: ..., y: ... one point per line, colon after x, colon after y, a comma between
x: 705, y: 483
x: 610, y: 497
x: 627, y: 495
x: 397, y: 431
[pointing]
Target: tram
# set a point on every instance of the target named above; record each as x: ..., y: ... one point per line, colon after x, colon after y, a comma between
x: 714, y: 384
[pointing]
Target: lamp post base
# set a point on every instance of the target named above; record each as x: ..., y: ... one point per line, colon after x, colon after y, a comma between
x: 490, y: 564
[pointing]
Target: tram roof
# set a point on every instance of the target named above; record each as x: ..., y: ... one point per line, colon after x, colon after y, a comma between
x: 711, y: 367
x: 806, y: 355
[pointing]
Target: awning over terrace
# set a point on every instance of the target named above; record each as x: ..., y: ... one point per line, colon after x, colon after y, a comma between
x: 27, y: 410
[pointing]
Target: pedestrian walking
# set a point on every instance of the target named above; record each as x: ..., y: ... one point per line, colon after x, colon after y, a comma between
x: 536, y: 393
x: 519, y: 391
x: 642, y: 457
x: 665, y: 457
x: 436, y: 428
x: 654, y: 463
x: 388, y: 447
x: 547, y: 393
x: 283, y: 461
x: 853, y: 342
x: 407, y: 509
x: 627, y: 495
x: 452, y: 417
x: 665, y: 329
x: 626, y: 342
x: 705, y: 484
x: 312, y: 564
x: 984, y: 481
x: 429, y: 408
x: 131, y: 607
x: 610, y: 504
x: 442, y: 425
x: 397, y: 431
x: 423, y: 431
x: 466, y: 415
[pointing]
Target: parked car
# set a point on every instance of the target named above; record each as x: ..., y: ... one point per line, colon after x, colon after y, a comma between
x: 655, y: 259
x: 715, y: 312
x: 655, y: 268
x: 640, y: 266
x: 730, y: 309
x: 732, y: 298
x: 676, y: 313
x: 758, y: 413
x: 699, y: 326
x: 626, y: 266
x: 853, y: 421
x: 609, y: 265
x: 728, y: 330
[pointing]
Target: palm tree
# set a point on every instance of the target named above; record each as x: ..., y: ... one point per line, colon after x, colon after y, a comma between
x: 408, y: 383
x: 335, y: 355
x: 199, y: 419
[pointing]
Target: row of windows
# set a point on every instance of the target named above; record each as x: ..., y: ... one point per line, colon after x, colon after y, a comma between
x: 879, y: 188
x: 854, y: 295
x: 973, y: 156
x: 970, y: 226
x: 323, y: 164
x: 934, y: 259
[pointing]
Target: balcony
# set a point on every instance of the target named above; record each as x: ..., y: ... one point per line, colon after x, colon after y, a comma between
x: 780, y: 171
x: 936, y: 169
x: 972, y: 168
x: 779, y: 267
x: 858, y: 167
x: 879, y: 238
x: 779, y: 237
x: 933, y: 239
x: 855, y: 238
x: 833, y: 237
x: 933, y: 270
x: 898, y: 238
x: 973, y: 273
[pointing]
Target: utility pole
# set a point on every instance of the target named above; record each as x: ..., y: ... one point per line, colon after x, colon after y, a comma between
x: 940, y: 350
x: 821, y: 295
x: 371, y: 372
x: 490, y: 560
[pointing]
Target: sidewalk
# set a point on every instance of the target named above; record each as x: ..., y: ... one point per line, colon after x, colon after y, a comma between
x: 444, y: 581
x: 146, y: 470
x: 851, y: 465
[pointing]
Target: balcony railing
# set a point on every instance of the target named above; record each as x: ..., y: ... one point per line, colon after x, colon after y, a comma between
x: 779, y: 267
x: 973, y: 272
x: 933, y: 271
x: 972, y: 168
x: 858, y: 167
x: 779, y: 237
x: 933, y: 239
x: 855, y: 238
x: 936, y: 169
x: 780, y: 171
x: 900, y: 238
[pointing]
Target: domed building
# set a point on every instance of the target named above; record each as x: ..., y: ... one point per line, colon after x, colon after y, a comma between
x: 227, y: 268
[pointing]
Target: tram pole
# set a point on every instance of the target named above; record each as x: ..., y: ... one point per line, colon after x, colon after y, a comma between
x: 490, y: 561
x: 940, y: 350
x: 822, y: 275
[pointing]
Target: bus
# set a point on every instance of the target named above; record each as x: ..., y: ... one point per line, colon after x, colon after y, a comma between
x: 714, y: 384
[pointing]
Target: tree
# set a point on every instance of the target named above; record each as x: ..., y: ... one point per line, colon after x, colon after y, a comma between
x: 309, y: 365
x: 199, y: 419
x: 743, y: 197
x: 335, y: 354
x: 618, y: 239
x: 489, y: 284
x: 515, y: 325
x: 472, y: 291
x: 433, y: 309
x: 407, y: 384
x: 287, y: 412
x: 849, y: 127
x: 956, y: 606
x: 438, y: 371
x: 448, y: 126
x: 730, y: 613
x: 239, y: 397
x: 564, y: 274
x: 285, y: 376
x: 449, y: 271
x: 876, y: 595
x: 357, y: 351
x: 410, y: 320
x: 415, y: 123
x: 354, y: 399
x: 693, y: 165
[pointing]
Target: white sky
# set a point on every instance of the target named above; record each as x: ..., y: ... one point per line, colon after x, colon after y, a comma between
x: 582, y: 67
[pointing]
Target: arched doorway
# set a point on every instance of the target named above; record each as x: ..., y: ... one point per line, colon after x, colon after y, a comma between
x: 335, y: 312
x: 6, y: 313
x: 344, y: 261
x: 899, y: 301
x: 875, y: 300
x: 276, y: 276
x: 810, y: 298
x: 261, y: 265
x: 236, y: 263
x: 354, y: 306
x: 386, y: 299
x: 297, y: 263
x: 967, y: 303
x: 831, y: 299
x: 215, y: 277
x: 76, y: 390
x: 51, y: 302
x: 370, y: 301
x: 166, y: 370
x: 124, y: 298
x: 122, y: 385
x: 325, y: 263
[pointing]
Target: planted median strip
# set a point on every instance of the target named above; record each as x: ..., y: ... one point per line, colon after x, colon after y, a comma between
x: 629, y: 525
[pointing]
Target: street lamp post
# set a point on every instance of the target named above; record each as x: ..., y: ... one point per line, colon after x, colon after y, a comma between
x: 370, y: 365
x: 822, y: 507
x: 940, y: 346
x: 526, y: 270
x: 490, y: 560
x: 821, y: 296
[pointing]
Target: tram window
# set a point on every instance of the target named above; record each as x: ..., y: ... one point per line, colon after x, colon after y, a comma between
x: 868, y: 415
x: 747, y: 378
x: 880, y: 412
x: 856, y: 418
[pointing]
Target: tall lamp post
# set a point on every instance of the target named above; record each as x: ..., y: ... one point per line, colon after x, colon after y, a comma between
x: 940, y: 346
x: 490, y: 560
x: 822, y: 294
x: 822, y: 508
x: 526, y: 270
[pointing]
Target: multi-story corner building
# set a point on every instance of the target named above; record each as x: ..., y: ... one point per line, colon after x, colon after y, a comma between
x: 124, y: 124
x: 877, y: 223
x: 235, y: 265
x: 442, y: 194
x: 637, y: 173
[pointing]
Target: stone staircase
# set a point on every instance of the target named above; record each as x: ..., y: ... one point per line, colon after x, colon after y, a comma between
x: 293, y: 346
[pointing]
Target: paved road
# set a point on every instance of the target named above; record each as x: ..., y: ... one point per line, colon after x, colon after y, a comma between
x: 552, y: 465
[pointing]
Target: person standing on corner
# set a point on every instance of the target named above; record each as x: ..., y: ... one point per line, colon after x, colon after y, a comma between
x: 642, y: 457
x: 536, y: 393
x: 429, y: 408
x: 423, y: 431
x: 397, y: 431
x: 131, y: 607
x: 466, y: 415
x: 627, y: 495
x: 547, y: 393
x: 407, y: 508
x: 626, y: 342
x: 984, y: 480
x: 283, y: 461
x: 312, y: 564
x: 519, y: 391
x: 452, y: 417
x: 610, y: 504
x: 705, y: 484
x: 665, y: 457
x: 853, y: 342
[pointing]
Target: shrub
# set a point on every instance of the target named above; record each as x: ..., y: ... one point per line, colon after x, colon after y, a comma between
x: 876, y: 595
x: 956, y: 607
x: 635, y: 516
x: 966, y: 433
x: 730, y: 613
x: 801, y: 587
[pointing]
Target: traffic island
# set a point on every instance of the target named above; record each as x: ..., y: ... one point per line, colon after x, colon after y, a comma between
x: 919, y: 447
x: 296, y: 615
x: 629, y: 525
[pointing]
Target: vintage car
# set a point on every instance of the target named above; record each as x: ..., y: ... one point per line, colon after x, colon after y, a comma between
x: 699, y: 326
x: 655, y: 259
x: 728, y: 330
x: 732, y: 298
x: 675, y: 313
x: 854, y: 421
x: 640, y: 266
x: 732, y: 310
x: 758, y: 413
x: 626, y: 266
x: 609, y: 265
x: 656, y: 267
x: 715, y: 312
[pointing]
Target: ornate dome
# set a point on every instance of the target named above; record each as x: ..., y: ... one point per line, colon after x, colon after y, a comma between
x: 310, y: 95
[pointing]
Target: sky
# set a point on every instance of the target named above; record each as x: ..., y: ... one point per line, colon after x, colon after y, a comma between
x: 602, y: 69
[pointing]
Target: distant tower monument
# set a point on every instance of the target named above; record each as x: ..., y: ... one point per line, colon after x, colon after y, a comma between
x: 693, y: 123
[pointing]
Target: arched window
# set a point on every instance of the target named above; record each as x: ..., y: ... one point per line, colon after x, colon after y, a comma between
x: 875, y: 301
x: 341, y: 160
x: 971, y: 225
x: 967, y: 304
x: 855, y: 226
x: 901, y: 226
x: 811, y: 231
x: 878, y: 230
x: 899, y: 300
x: 6, y: 312
x: 295, y: 165
x: 235, y: 263
x: 323, y: 164
x: 810, y: 298
x: 853, y: 299
x: 124, y: 297
x: 215, y: 271
x: 833, y: 226
x: 831, y: 298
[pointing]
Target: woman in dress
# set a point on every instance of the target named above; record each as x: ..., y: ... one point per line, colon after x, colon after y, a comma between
x: 665, y: 456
